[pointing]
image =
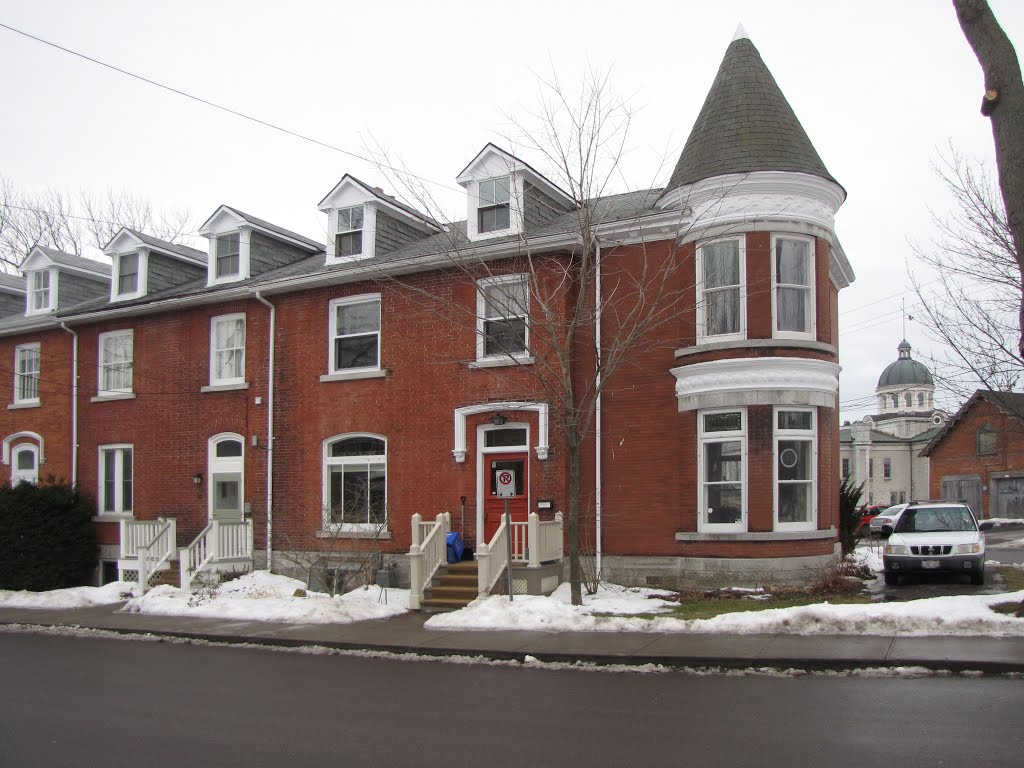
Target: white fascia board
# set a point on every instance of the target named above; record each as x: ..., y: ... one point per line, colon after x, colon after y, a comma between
x: 32, y: 323
x: 161, y: 306
x: 116, y: 246
x: 36, y: 261
x: 213, y: 226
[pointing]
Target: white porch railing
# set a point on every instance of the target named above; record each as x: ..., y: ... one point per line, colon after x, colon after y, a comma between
x: 429, y: 551
x: 217, y: 543
x: 492, y: 559
x: 147, y: 546
x: 533, y: 543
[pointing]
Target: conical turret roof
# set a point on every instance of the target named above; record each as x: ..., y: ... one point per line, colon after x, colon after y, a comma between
x: 745, y: 125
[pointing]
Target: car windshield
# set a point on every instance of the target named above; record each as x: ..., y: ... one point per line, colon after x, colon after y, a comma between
x: 936, y: 520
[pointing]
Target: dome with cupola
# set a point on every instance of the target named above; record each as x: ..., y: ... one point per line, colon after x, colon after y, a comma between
x: 905, y: 384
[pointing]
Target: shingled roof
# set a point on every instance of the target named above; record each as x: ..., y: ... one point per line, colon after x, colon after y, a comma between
x: 745, y: 125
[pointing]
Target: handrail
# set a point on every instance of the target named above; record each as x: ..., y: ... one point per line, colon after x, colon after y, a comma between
x: 153, y: 554
x: 428, y: 552
x: 492, y: 560
x: 197, y: 555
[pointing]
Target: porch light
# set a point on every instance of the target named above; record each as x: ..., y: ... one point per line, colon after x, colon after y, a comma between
x: 497, y: 420
x: 197, y: 478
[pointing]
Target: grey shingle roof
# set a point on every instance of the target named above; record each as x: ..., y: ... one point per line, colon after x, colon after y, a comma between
x: 276, y: 229
x: 745, y: 125
x: 75, y: 262
x: 12, y: 282
x: 163, y: 245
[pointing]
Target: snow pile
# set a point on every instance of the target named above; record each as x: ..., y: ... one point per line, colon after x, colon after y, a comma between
x: 73, y: 597
x: 263, y: 596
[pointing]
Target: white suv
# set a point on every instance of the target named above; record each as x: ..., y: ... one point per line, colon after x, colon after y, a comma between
x: 935, y: 536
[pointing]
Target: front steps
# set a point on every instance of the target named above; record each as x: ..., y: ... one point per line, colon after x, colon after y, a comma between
x: 454, y: 589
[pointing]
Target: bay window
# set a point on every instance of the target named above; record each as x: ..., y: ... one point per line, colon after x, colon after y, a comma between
x: 721, y: 295
x: 721, y: 459
x: 793, y: 278
x: 795, y: 469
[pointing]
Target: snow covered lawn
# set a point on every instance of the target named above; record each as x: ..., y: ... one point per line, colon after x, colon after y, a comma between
x: 75, y: 597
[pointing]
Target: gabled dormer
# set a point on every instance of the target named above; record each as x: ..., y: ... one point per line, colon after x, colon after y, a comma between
x: 364, y: 222
x: 505, y: 196
x: 143, y: 264
x: 12, y: 295
x: 54, y: 280
x: 242, y: 246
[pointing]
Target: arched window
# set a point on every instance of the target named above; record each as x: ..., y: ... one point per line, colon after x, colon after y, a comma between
x: 920, y: 399
x: 25, y: 464
x: 226, y: 472
x: 908, y: 399
x: 355, y: 482
x: 895, y: 401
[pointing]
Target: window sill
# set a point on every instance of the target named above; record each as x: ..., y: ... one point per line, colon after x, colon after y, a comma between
x: 501, y: 362
x: 27, y: 404
x: 376, y: 373
x: 354, y: 534
x: 112, y: 396
x: 225, y: 387
x: 112, y: 517
x: 690, y: 537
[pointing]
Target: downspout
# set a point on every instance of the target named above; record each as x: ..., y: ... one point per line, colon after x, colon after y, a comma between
x: 597, y: 407
x: 74, y: 404
x: 270, y: 430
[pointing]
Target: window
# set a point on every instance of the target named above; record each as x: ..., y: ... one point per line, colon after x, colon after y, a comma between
x: 26, y: 373
x: 355, y: 334
x: 920, y: 399
x: 892, y: 498
x: 720, y: 282
x: 227, y: 259
x: 355, y: 483
x: 887, y: 469
x: 908, y: 400
x: 794, y: 284
x: 846, y: 468
x: 226, y: 465
x: 127, y: 273
x: 987, y: 440
x: 722, y: 469
x: 227, y: 350
x: 40, y: 298
x: 25, y: 464
x: 349, y: 238
x: 796, y: 462
x: 871, y: 467
x: 895, y: 401
x: 503, y: 306
x: 494, y: 214
x: 116, y: 479
x: 115, y: 362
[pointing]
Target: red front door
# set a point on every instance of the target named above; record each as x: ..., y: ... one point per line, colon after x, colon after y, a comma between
x: 494, y: 507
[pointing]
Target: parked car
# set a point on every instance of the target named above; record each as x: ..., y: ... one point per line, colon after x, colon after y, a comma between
x: 935, y: 537
x: 887, y: 516
x: 866, y: 515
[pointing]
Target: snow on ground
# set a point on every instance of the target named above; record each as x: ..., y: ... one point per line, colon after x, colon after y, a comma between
x: 263, y: 596
x: 74, y: 597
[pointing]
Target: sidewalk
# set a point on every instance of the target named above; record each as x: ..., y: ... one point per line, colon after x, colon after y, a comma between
x: 406, y: 634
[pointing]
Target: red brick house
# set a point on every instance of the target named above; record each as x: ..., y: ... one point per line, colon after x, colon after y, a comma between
x: 979, y: 455
x: 313, y: 399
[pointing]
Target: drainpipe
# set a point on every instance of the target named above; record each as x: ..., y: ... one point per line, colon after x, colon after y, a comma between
x: 74, y: 404
x: 597, y: 406
x: 270, y: 430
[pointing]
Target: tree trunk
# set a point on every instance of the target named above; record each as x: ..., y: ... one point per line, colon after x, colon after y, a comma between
x: 575, y: 571
x: 1003, y: 103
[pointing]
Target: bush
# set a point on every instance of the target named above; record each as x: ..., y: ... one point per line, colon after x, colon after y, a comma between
x: 849, y: 495
x: 47, y: 539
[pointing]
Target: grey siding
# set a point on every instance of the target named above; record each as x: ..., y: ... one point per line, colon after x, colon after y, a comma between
x: 73, y: 289
x: 392, y: 234
x: 11, y: 304
x: 539, y: 208
x: 166, y: 272
x: 266, y: 253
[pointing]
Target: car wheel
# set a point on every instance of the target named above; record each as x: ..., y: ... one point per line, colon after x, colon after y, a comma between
x: 892, y: 579
x: 977, y: 578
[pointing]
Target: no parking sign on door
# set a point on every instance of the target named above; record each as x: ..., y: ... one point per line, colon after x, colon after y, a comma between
x: 506, y: 482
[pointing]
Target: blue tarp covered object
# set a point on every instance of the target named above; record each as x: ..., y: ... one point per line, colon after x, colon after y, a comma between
x: 455, y: 547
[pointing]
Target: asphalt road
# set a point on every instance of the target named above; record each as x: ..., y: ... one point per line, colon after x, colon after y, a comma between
x: 72, y: 702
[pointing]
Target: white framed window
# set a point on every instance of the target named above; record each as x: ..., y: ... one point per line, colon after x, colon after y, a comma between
x: 26, y: 373
x: 25, y: 464
x: 226, y: 470
x: 721, y: 289
x: 494, y: 212
x: 355, y: 334
x: 227, y: 349
x: 722, y: 469
x: 887, y: 469
x: 355, y: 483
x: 116, y: 479
x: 793, y: 279
x: 846, y: 469
x: 796, y: 461
x: 503, y: 311
x: 115, y: 362
x: 40, y: 296
x: 348, y: 238
x: 227, y: 263
x: 128, y: 274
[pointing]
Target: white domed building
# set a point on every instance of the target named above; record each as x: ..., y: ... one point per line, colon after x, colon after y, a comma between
x: 883, y: 450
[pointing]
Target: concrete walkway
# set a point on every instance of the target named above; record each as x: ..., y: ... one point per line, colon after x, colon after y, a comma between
x: 406, y: 634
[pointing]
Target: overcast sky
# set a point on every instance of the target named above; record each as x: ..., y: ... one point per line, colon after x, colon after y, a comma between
x: 882, y: 88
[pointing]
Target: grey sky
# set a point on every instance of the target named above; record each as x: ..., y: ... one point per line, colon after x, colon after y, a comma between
x: 881, y: 86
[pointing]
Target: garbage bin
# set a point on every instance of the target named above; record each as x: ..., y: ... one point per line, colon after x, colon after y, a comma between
x: 455, y: 547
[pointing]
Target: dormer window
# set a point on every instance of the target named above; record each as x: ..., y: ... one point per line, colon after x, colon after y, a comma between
x: 349, y: 237
x: 39, y: 297
x: 227, y: 262
x: 127, y: 273
x: 494, y: 213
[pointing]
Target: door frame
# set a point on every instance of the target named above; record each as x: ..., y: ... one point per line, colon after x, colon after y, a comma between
x: 481, y: 469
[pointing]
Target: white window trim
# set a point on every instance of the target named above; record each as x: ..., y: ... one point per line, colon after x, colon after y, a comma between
x: 327, y: 462
x: 100, y: 391
x: 704, y: 438
x: 811, y: 305
x: 515, y: 194
x: 142, y: 276
x: 17, y: 475
x: 368, y: 229
x: 810, y: 435
x: 214, y: 381
x: 51, y: 292
x: 226, y: 465
x: 702, y: 335
x: 332, y: 320
x: 504, y: 358
x: 119, y: 508
x: 37, y: 348
x: 244, y: 237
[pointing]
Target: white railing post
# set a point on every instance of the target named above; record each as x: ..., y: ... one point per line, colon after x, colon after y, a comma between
x: 483, y: 559
x: 533, y: 539
x: 560, y: 538
x: 185, y: 580
x: 415, y: 575
x: 417, y: 518
x: 143, y: 554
